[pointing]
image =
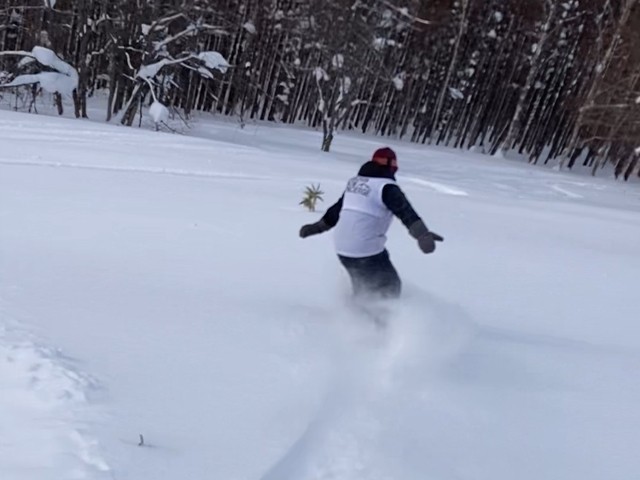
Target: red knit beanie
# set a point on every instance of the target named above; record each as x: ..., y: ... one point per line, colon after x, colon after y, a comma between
x: 387, y: 157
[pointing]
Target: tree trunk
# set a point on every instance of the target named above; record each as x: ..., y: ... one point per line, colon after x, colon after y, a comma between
x: 58, y: 101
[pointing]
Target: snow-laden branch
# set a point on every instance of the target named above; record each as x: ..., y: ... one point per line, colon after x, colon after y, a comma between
x: 163, y: 43
x: 404, y: 12
x: 162, y: 21
x: 151, y: 70
x: 158, y: 111
x: 612, y: 106
x: 63, y: 81
x: 21, y: 53
x: 212, y: 60
x: 191, y: 29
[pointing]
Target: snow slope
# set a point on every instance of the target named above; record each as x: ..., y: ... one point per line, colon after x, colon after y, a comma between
x: 44, y: 415
x: 165, y: 276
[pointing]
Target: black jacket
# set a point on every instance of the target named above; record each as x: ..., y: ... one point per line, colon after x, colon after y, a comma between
x: 393, y: 198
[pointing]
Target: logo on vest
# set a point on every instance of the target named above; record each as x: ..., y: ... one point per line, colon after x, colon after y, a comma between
x: 359, y: 186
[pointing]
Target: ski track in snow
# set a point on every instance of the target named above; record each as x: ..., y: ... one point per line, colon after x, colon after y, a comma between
x: 158, y: 171
x: 370, y: 367
x: 162, y: 171
x: 44, y: 410
x: 565, y: 192
x: 438, y: 187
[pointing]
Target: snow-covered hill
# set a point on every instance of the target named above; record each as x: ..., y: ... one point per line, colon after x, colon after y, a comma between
x: 155, y: 284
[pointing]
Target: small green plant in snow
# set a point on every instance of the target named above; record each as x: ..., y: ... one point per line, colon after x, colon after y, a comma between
x: 311, y: 196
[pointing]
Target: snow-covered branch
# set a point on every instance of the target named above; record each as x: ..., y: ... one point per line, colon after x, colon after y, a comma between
x: 21, y: 53
x: 211, y: 60
x: 163, y: 43
x: 63, y: 81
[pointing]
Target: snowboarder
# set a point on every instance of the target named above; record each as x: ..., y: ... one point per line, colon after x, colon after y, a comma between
x: 362, y: 217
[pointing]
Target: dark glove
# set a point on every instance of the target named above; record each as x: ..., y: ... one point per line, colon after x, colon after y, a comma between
x: 314, y: 229
x: 426, y: 239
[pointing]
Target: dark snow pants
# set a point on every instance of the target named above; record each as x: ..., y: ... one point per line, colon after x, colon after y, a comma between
x: 375, y: 275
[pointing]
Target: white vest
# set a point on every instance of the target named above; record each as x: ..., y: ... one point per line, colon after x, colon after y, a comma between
x: 364, y: 219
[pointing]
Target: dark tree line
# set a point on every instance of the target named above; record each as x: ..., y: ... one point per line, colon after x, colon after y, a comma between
x: 555, y: 80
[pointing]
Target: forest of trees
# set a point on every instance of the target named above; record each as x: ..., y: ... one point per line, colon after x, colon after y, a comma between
x: 555, y: 80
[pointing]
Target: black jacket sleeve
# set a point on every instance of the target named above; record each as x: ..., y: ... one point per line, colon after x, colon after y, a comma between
x: 332, y: 215
x: 397, y: 202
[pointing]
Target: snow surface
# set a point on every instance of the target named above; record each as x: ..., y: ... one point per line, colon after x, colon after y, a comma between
x: 166, y: 279
x: 43, y: 412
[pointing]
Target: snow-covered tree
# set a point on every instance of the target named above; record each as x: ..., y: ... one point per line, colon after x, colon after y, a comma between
x: 554, y: 81
x: 61, y: 79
